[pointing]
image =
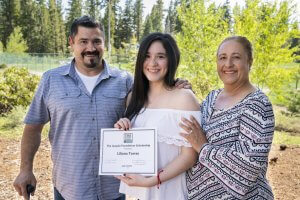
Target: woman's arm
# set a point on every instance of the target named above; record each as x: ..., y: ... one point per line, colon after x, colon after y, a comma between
x: 239, y: 168
x: 185, y: 100
x: 185, y: 160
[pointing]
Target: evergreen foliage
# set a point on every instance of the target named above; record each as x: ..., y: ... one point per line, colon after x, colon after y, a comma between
x: 28, y: 23
x: 148, y: 28
x: 157, y: 16
x: 9, y: 16
x: 74, y: 11
x: 16, y: 43
x: 42, y: 42
x: 138, y: 19
x: 92, y: 8
x: 111, y: 7
x: 172, y: 23
x: 124, y: 31
x: 1, y: 47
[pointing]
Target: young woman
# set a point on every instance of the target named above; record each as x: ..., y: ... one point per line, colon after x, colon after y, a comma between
x: 155, y: 102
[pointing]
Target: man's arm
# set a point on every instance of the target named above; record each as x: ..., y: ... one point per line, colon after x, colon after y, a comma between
x: 31, y: 140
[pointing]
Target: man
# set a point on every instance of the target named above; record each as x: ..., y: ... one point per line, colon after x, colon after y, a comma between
x: 78, y: 99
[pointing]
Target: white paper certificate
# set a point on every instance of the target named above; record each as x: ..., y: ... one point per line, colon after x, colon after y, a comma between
x: 133, y: 151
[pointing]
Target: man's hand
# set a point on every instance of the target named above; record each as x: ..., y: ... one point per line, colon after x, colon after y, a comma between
x: 182, y: 83
x: 23, y: 179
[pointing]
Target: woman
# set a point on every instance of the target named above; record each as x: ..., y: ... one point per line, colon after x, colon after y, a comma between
x: 155, y: 102
x: 235, y: 133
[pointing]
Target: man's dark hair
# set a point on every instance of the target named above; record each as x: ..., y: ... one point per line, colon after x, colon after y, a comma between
x: 84, y: 21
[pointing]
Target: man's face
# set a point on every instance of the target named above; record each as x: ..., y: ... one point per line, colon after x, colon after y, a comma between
x: 88, y: 47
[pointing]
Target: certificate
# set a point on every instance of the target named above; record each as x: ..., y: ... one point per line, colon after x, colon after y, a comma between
x: 132, y: 151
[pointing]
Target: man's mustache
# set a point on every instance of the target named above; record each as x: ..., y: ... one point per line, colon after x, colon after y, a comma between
x: 89, y: 53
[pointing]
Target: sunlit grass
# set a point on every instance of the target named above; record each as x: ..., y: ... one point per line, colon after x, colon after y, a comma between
x: 286, y: 138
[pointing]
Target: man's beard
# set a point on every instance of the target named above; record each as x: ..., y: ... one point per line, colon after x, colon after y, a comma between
x: 92, y: 61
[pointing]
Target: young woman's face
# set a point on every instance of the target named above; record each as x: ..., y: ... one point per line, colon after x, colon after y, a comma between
x: 155, y: 66
x: 233, y: 64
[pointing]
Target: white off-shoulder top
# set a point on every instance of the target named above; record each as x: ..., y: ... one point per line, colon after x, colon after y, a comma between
x: 169, y: 142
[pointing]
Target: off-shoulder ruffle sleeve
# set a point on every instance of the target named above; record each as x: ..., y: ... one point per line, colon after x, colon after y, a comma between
x: 167, y: 123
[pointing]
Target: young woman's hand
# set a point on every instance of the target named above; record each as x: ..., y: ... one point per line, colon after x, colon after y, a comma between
x: 123, y: 124
x: 138, y: 180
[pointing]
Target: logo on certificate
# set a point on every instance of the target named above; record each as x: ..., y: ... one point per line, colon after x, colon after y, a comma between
x: 128, y: 137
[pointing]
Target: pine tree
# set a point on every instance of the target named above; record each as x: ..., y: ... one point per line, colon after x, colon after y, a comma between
x: 92, y: 8
x: 138, y: 19
x: 157, y: 16
x: 9, y: 17
x: 42, y: 25
x: 170, y: 22
x: 74, y: 11
x: 62, y: 39
x: 57, y: 40
x: 29, y: 25
x: 227, y: 14
x: 124, y: 31
x: 114, y: 8
x: 16, y: 43
x: 147, y: 26
x: 1, y: 47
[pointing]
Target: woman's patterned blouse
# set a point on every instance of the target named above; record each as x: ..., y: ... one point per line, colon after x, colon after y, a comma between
x: 233, y: 164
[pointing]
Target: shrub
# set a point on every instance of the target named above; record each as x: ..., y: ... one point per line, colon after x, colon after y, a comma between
x: 286, y: 122
x: 17, y: 87
x: 294, y: 101
x: 15, y: 117
x: 2, y: 66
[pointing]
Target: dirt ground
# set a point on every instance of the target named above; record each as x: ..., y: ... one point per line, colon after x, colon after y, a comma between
x: 283, y: 171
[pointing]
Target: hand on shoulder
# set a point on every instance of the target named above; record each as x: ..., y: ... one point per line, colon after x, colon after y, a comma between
x: 185, y: 99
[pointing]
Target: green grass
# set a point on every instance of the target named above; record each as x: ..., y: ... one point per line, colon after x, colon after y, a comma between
x: 11, y: 125
x: 285, y: 122
x: 286, y: 138
x: 10, y: 133
x: 16, y: 132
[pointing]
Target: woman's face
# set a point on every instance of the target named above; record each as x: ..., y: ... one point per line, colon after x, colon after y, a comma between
x: 233, y: 64
x: 155, y: 66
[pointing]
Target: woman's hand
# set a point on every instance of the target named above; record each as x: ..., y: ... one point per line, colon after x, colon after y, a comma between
x: 137, y: 180
x: 123, y: 124
x: 194, y: 133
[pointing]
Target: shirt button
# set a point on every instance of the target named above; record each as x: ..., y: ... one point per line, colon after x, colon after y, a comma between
x: 95, y: 157
x: 94, y: 138
x: 93, y: 119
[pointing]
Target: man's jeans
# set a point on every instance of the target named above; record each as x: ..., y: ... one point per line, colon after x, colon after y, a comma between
x: 57, y: 196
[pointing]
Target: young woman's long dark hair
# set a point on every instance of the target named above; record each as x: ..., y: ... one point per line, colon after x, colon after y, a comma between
x: 140, y: 89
